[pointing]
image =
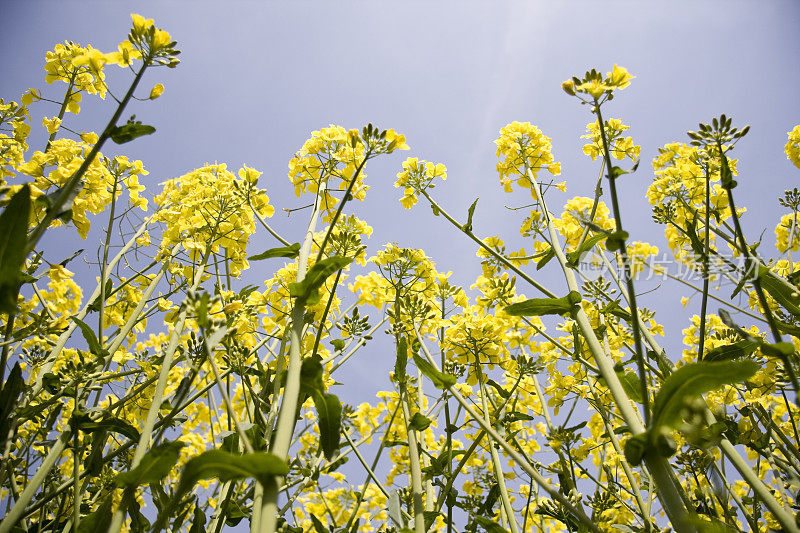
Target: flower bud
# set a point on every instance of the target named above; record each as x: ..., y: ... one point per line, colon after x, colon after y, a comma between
x: 569, y: 87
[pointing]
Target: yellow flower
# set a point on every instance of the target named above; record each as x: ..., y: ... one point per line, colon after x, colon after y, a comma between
x: 523, y: 147
x: 51, y: 124
x: 156, y: 91
x: 417, y: 176
x: 619, y: 77
x: 793, y: 146
x: 140, y: 24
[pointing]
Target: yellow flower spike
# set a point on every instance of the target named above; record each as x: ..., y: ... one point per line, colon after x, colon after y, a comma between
x: 522, y: 145
x: 416, y: 177
x: 156, y: 91
x: 793, y: 146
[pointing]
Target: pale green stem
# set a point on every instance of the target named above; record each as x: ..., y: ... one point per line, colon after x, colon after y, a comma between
x: 17, y: 511
x: 161, y: 385
x: 225, y: 399
x: 413, y: 457
x: 764, y: 494
x: 52, y: 357
x: 430, y: 495
x: 498, y: 469
x: 226, y: 488
x: 658, y: 466
x: 291, y: 391
x: 515, y: 455
x: 648, y: 336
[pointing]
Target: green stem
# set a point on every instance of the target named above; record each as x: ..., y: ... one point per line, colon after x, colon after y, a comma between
x: 291, y: 390
x: 628, y: 277
x: 706, y: 275
x: 488, y: 249
x: 523, y: 463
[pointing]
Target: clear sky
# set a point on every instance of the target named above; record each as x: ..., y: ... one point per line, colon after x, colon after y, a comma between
x: 257, y: 77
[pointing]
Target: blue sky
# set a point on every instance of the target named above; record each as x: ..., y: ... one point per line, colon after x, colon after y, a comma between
x: 257, y: 77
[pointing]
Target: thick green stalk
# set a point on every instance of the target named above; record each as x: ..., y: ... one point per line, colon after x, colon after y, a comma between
x: 413, y: 457
x: 17, y: 511
x: 161, y: 385
x: 498, y: 469
x: 658, y: 466
x: 291, y: 391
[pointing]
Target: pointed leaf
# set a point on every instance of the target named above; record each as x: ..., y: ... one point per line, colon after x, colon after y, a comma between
x: 154, y: 466
x: 130, y: 131
x: 440, y: 379
x: 329, y: 414
x: 545, y: 306
x: 91, y: 338
x: 306, y: 291
x: 468, y: 226
x: 695, y: 379
x: 99, y: 519
x: 736, y: 350
x: 575, y: 257
x: 9, y: 395
x: 293, y: 250
x: 419, y: 422
x: 13, y: 241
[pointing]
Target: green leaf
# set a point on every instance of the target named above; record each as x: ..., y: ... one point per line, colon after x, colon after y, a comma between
x: 785, y: 294
x: 490, y: 525
x: 736, y: 350
x: 306, y: 291
x: 153, y: 467
x: 293, y: 250
x: 468, y: 226
x: 631, y: 384
x: 9, y: 395
x: 440, y: 379
x: 725, y: 174
x: 695, y: 379
x: 636, y: 447
x: 545, y: 306
x: 329, y: 413
x: 778, y: 349
x: 130, y: 131
x: 328, y: 406
x: 546, y: 257
x: 13, y: 241
x: 614, y: 308
x: 616, y: 240
x: 224, y: 466
x: 91, y: 338
x: 99, y: 519
x: 319, y: 527
x: 419, y: 422
x: 108, y: 423
x: 199, y: 520
x: 338, y: 344
x: 574, y: 257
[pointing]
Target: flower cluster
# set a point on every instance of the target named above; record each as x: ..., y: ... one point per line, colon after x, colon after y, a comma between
x: 53, y: 168
x: 210, y: 207
x: 596, y: 86
x: 334, y: 152
x: 793, y: 146
x: 619, y: 147
x: 418, y: 175
x: 523, y: 148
